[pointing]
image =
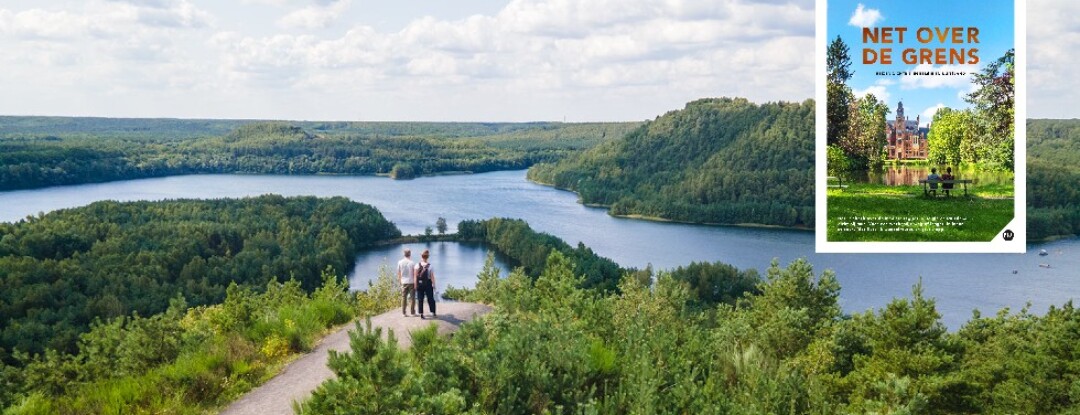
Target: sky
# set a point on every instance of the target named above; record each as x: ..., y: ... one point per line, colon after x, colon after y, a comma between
x: 921, y: 95
x: 441, y: 60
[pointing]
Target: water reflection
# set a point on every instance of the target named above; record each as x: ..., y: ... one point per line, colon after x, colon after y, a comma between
x: 909, y: 175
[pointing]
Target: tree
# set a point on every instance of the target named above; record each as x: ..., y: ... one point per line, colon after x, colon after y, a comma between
x: 838, y: 100
x: 440, y: 224
x: 838, y: 94
x: 994, y: 103
x: 838, y: 62
x: 952, y: 137
x: 866, y: 132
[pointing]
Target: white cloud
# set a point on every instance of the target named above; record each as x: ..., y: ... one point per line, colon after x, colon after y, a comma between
x: 864, y: 17
x: 1053, y: 39
x: 928, y: 114
x: 318, y: 16
x: 881, y: 92
x: 533, y: 59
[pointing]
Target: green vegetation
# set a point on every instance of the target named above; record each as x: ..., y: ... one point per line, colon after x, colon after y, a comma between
x: 983, y: 217
x: 855, y: 127
x: 551, y: 346
x: 985, y: 134
x: 190, y: 360
x: 716, y: 161
x: 62, y: 270
x: 529, y: 249
x: 46, y: 151
x: 1053, y: 179
x: 73, y: 271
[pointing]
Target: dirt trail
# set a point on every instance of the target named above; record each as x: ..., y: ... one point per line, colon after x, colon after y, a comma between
x: 302, y: 376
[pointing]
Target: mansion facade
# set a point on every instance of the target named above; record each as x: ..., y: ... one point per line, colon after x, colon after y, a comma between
x: 904, y: 139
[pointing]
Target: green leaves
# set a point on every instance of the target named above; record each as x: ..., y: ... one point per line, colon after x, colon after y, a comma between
x: 721, y: 160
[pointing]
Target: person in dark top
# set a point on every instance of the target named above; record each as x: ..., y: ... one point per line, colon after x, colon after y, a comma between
x: 425, y: 283
x: 947, y: 176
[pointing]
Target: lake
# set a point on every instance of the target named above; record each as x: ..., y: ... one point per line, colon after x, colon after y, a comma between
x: 905, y: 175
x: 960, y: 283
x: 455, y: 263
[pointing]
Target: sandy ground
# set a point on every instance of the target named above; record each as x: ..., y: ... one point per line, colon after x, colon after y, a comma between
x: 302, y: 376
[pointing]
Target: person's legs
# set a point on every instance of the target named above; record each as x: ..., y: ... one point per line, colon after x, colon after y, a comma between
x: 420, y: 293
x: 408, y: 295
x: 430, y: 298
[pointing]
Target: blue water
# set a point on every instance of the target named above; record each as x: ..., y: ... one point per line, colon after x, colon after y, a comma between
x: 960, y: 283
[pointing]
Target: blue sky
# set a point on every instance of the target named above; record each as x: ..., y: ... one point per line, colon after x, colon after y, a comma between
x: 440, y: 60
x: 921, y: 95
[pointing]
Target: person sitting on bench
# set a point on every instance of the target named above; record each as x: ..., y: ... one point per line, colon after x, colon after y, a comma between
x: 947, y: 176
x: 933, y: 180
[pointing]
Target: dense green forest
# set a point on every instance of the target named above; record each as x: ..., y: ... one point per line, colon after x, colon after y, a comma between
x: 723, y: 160
x: 47, y: 151
x: 524, y: 247
x: 173, y: 304
x: 63, y: 270
x: 1053, y: 169
x: 780, y: 346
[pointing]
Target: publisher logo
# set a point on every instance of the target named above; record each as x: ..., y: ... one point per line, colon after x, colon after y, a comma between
x: 1008, y: 235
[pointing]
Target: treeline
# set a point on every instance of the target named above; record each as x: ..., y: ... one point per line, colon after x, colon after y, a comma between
x: 44, y: 151
x: 529, y: 249
x: 723, y: 160
x: 551, y: 346
x: 62, y: 271
x: 1053, y: 177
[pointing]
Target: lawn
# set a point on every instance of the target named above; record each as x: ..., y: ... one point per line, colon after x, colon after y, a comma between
x: 878, y: 213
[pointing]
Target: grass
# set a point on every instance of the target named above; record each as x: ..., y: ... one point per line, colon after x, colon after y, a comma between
x: 983, y: 214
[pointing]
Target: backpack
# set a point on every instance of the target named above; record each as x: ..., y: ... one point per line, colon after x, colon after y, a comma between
x: 422, y: 275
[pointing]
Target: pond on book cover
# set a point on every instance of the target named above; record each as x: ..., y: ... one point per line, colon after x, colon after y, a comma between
x: 900, y: 175
x: 960, y: 283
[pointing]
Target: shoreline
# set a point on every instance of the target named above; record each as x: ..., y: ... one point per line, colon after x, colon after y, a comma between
x: 650, y: 218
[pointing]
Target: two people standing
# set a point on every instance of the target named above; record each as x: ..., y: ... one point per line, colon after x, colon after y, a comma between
x: 417, y: 280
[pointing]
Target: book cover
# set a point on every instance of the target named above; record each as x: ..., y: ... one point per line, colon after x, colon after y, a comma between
x: 920, y: 138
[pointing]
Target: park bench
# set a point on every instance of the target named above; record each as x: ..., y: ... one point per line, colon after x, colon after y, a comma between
x: 838, y: 185
x: 926, y: 185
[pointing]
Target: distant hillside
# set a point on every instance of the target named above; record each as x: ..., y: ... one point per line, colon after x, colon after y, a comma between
x: 1053, y: 192
x: 49, y: 151
x: 724, y: 160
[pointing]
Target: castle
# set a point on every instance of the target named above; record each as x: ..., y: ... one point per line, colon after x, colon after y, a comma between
x: 905, y: 140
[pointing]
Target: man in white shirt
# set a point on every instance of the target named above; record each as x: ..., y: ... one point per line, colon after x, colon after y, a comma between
x: 408, y: 283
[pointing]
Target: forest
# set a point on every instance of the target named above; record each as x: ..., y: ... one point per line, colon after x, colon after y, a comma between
x: 48, y: 151
x: 99, y: 300
x: 777, y: 344
x: 64, y: 271
x: 723, y: 160
x: 1053, y: 169
x: 528, y: 249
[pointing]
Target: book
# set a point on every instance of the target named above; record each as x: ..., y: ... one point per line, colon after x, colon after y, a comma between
x: 920, y: 115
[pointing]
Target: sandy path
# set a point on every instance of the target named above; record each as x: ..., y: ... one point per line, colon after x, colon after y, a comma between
x: 302, y: 376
